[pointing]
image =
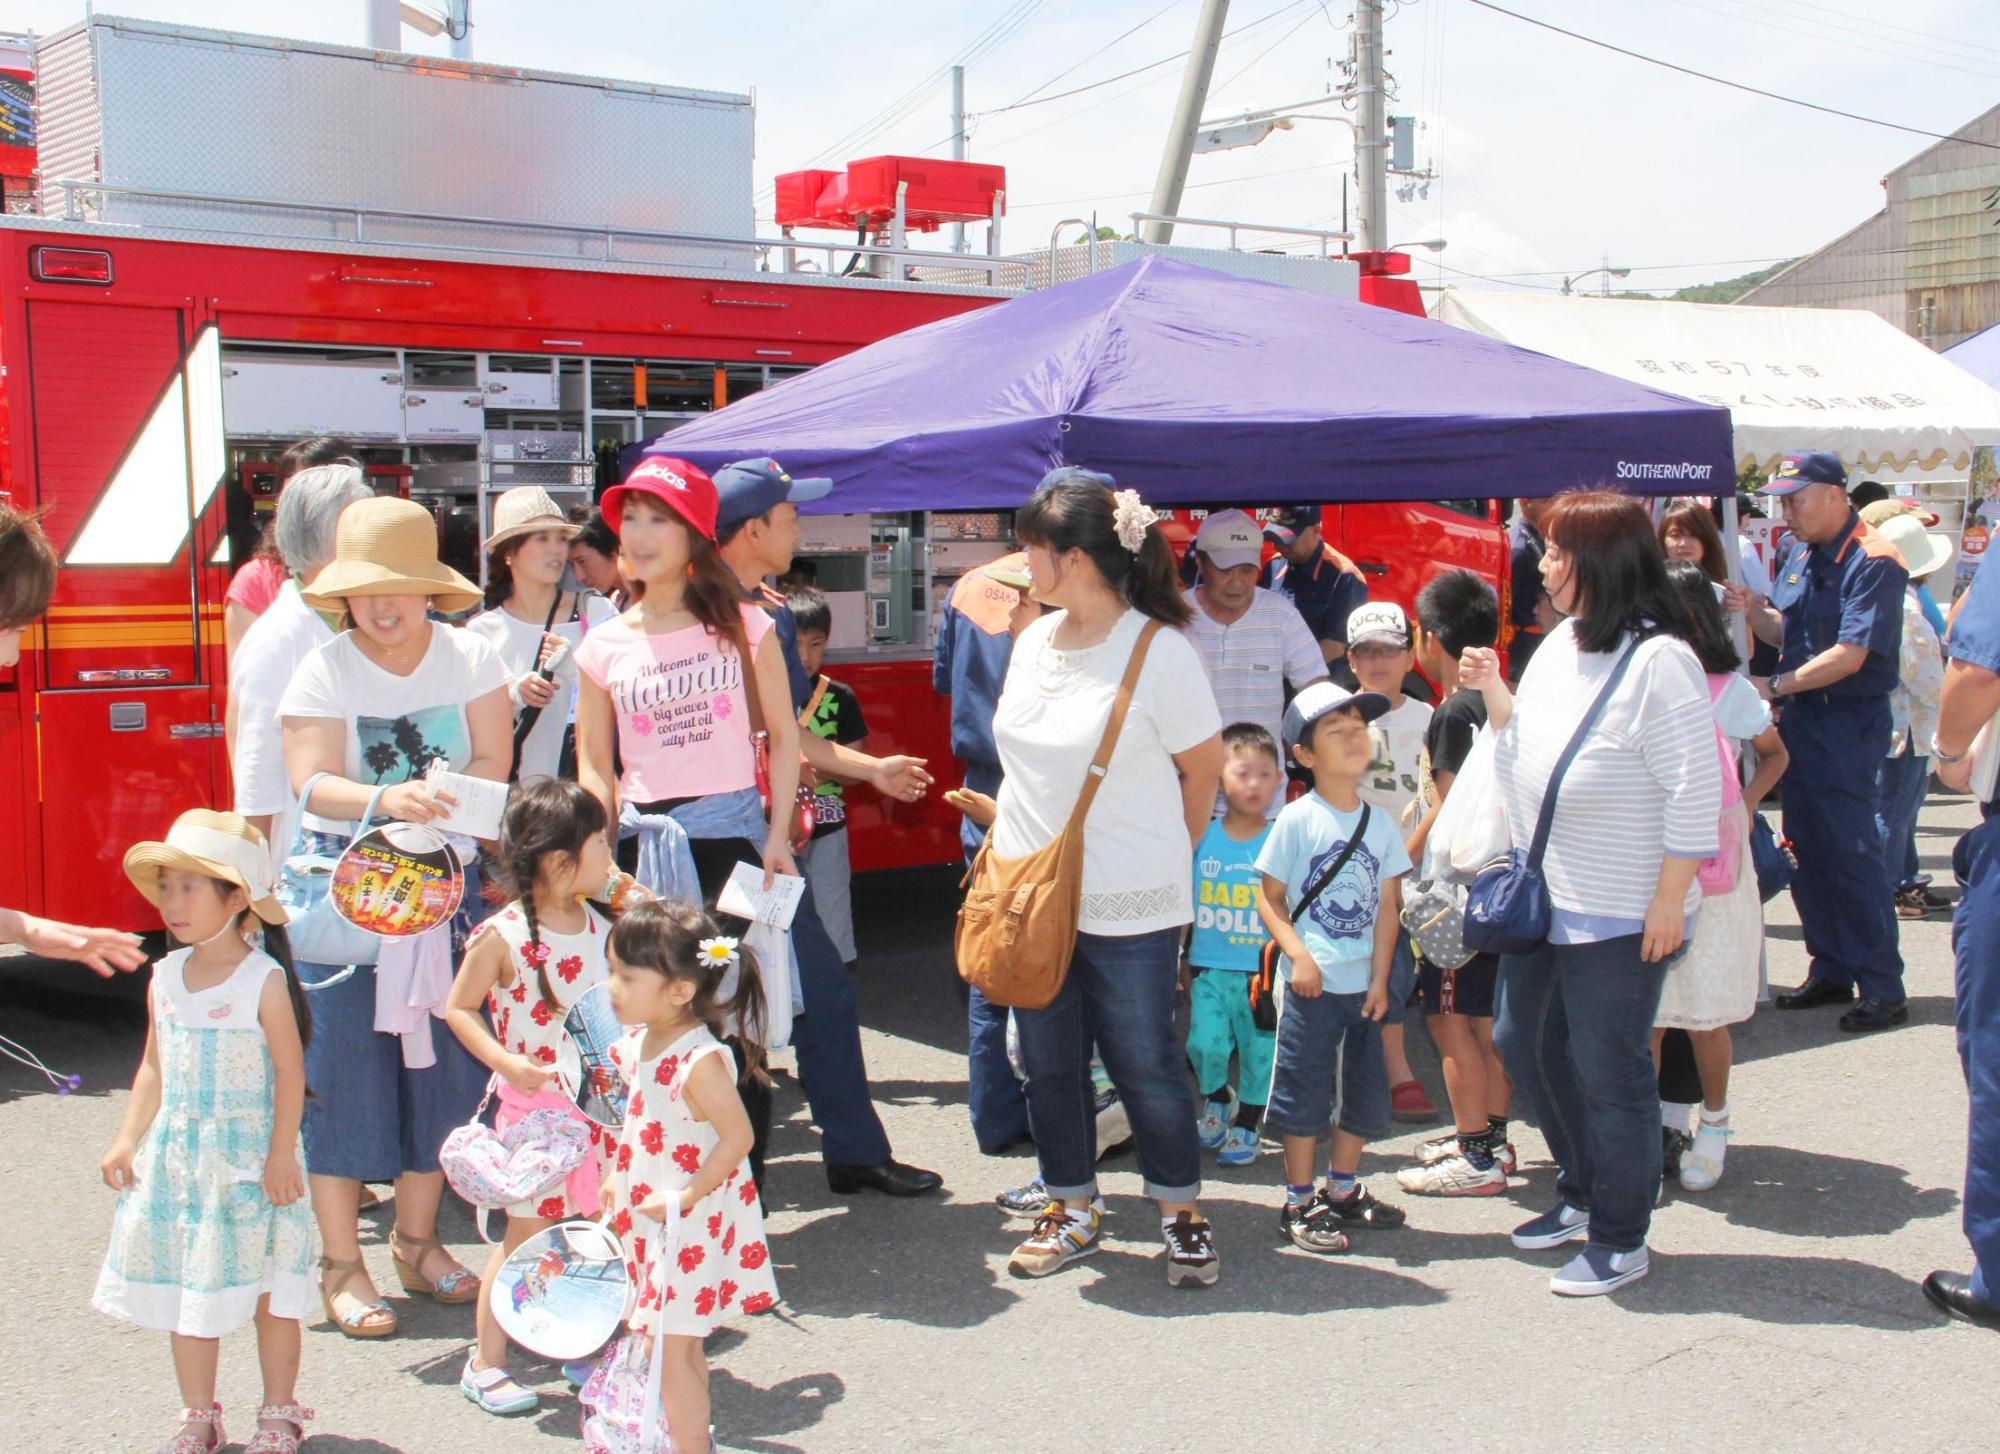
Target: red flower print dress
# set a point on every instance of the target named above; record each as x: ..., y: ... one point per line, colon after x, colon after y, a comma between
x: 722, y: 1266
x: 525, y: 1025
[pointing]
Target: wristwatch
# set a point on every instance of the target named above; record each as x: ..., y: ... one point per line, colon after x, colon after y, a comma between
x: 1945, y: 757
x: 1778, y: 682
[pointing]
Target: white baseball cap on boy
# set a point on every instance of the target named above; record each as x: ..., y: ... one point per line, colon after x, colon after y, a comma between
x: 1322, y: 697
x: 1378, y: 621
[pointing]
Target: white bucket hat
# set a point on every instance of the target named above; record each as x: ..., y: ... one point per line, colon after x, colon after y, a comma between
x: 1923, y: 552
x: 221, y: 845
x: 526, y: 510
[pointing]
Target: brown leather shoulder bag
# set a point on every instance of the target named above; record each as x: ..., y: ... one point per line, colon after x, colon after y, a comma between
x: 1017, y: 927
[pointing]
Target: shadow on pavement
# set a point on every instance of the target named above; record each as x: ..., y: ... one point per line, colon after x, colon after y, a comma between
x: 1799, y: 1291
x: 1257, y: 1277
x: 1817, y: 1194
x: 857, y: 1262
x: 758, y: 1417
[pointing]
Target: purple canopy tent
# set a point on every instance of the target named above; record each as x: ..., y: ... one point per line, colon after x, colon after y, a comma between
x: 1199, y: 387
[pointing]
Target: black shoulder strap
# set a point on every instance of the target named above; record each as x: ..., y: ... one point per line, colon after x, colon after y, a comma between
x: 1353, y: 842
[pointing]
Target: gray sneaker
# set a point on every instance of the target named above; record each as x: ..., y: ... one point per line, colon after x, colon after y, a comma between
x: 1190, y: 1252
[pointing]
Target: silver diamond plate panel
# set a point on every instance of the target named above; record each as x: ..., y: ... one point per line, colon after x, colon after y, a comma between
x: 1333, y: 276
x: 65, y: 111
x: 222, y: 115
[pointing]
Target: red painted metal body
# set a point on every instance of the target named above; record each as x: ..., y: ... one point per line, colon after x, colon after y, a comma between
x: 936, y: 192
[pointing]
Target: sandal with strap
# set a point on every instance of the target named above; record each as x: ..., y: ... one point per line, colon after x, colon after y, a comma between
x: 1701, y: 1163
x: 188, y: 1442
x: 276, y: 1441
x: 353, y: 1323
x: 460, y: 1285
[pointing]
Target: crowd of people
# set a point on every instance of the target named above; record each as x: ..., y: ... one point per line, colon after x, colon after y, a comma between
x: 1299, y: 814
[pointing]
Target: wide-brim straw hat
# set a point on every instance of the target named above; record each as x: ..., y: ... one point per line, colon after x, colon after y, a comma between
x: 526, y: 510
x: 220, y: 845
x: 1923, y: 552
x: 388, y: 547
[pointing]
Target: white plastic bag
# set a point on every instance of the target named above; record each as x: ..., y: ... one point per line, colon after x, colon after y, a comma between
x: 1471, y: 827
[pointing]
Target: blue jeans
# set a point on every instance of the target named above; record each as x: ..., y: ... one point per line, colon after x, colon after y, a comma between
x: 1574, y: 1023
x: 1402, y: 980
x: 1899, y: 797
x: 993, y: 1096
x: 1120, y: 995
x: 1975, y: 942
x: 1320, y: 1038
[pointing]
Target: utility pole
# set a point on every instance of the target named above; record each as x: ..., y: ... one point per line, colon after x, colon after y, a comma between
x: 1371, y: 137
x: 1187, y: 114
x: 958, y: 142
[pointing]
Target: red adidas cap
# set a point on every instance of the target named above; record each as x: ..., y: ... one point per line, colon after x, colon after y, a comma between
x: 675, y: 483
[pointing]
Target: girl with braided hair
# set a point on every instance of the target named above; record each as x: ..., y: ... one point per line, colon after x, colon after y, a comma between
x: 525, y: 967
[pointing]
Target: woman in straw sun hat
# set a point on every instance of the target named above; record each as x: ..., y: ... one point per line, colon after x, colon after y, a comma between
x: 212, y: 1230
x: 531, y: 620
x: 1904, y: 773
x: 374, y: 709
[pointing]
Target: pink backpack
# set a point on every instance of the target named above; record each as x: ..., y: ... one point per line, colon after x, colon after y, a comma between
x: 499, y: 1168
x: 1717, y: 875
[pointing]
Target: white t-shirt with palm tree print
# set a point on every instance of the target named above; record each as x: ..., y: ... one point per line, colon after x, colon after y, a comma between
x: 397, y: 726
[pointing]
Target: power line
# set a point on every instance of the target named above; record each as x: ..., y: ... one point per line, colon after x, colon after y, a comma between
x: 1875, y: 45
x: 1815, y: 10
x: 1109, y: 44
x: 1732, y: 85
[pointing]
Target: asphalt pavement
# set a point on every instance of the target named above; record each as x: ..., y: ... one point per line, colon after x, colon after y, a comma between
x: 1783, y: 1311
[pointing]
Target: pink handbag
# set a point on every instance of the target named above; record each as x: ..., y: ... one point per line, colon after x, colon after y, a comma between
x: 499, y: 1168
x: 1717, y: 876
x: 621, y: 1402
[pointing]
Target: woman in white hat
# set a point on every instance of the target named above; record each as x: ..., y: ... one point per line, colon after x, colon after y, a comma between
x: 1905, y: 771
x: 212, y: 1231
x: 533, y: 622
x: 374, y: 709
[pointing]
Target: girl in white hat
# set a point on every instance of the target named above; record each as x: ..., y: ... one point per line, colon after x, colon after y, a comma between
x: 212, y: 1229
x: 536, y: 625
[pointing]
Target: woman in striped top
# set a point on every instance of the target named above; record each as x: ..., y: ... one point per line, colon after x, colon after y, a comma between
x: 1635, y: 815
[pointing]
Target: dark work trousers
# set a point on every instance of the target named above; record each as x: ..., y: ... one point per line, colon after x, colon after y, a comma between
x: 1975, y: 943
x: 826, y: 1033
x: 1844, y: 891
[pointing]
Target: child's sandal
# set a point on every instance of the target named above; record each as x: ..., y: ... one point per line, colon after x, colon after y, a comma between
x: 276, y: 1441
x: 460, y: 1285
x: 186, y: 1442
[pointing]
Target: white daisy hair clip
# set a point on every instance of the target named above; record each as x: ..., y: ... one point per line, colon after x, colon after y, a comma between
x: 1131, y: 519
x: 717, y: 953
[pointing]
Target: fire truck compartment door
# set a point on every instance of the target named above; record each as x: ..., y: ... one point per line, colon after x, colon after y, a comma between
x: 271, y: 398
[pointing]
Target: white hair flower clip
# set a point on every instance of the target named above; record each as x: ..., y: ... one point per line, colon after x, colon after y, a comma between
x: 717, y: 953
x: 1131, y: 519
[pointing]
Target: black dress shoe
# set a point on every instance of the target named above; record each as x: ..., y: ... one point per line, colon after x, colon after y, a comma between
x: 1951, y: 1292
x: 1874, y: 1014
x: 1814, y: 993
x: 891, y: 1178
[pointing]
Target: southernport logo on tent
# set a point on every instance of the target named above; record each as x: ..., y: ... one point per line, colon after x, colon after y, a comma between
x: 1632, y: 470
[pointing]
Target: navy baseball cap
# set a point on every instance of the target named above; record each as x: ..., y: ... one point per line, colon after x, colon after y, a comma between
x: 1813, y: 467
x: 1322, y: 697
x: 752, y: 487
x: 1290, y: 523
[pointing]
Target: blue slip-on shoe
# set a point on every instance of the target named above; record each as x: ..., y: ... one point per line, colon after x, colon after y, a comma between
x: 1598, y: 1270
x: 1551, y: 1229
x: 577, y: 1371
x: 1239, y: 1146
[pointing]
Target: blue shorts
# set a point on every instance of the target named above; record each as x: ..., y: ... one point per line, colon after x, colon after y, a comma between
x: 1402, y: 980
x: 1318, y: 1039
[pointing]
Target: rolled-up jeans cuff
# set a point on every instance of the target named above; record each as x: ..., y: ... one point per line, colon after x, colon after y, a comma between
x: 1173, y: 1193
x: 1083, y: 1193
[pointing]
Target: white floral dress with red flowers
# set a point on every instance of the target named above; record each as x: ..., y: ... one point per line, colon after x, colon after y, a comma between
x: 722, y: 1266
x: 525, y: 1025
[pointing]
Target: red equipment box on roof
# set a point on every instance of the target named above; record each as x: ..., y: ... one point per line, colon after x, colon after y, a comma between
x: 937, y: 193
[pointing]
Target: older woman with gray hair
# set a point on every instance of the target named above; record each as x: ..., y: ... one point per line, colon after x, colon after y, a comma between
x: 281, y: 638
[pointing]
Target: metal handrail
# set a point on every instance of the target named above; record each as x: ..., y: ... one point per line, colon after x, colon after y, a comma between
x: 73, y: 188
x: 1232, y: 228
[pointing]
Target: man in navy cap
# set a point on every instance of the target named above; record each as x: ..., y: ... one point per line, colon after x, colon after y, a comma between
x: 1835, y: 614
x: 1970, y: 700
x: 1322, y: 582
x: 757, y: 528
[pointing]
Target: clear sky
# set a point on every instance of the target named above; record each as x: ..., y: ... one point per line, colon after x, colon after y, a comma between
x: 1552, y: 156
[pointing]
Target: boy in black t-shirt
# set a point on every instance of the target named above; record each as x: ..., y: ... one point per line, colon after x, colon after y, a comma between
x: 833, y: 712
x: 1455, y: 611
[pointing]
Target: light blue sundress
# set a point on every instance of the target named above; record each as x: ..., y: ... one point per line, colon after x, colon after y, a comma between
x: 195, y: 1242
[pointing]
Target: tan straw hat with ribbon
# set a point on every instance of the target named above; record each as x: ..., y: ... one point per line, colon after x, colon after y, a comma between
x: 526, y: 510
x: 220, y: 845
x: 388, y: 547
x: 1923, y: 552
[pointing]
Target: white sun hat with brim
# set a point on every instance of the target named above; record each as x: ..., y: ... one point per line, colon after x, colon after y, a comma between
x: 388, y: 547
x: 526, y: 510
x: 220, y: 845
x: 1924, y: 552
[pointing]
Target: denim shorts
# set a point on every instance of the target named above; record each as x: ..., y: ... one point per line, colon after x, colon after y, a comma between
x: 1402, y: 980
x: 1318, y: 1039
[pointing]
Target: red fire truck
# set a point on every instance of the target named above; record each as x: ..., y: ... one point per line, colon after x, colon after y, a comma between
x: 162, y: 336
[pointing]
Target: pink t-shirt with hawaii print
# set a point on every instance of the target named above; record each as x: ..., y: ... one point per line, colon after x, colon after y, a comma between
x: 680, y: 704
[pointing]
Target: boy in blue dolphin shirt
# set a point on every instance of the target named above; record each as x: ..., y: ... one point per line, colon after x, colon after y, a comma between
x: 1335, y: 966
x: 1227, y: 940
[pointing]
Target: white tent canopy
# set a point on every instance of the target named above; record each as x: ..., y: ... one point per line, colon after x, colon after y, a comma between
x: 1793, y: 378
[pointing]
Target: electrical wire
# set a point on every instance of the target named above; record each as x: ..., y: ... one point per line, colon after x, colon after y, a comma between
x: 1876, y: 45
x: 1116, y: 40
x: 1732, y: 85
x: 1814, y: 11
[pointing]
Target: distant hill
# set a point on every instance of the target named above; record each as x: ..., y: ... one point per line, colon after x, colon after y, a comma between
x: 1726, y: 291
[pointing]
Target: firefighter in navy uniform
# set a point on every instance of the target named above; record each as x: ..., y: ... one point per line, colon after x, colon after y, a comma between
x: 1970, y: 700
x: 1835, y: 614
